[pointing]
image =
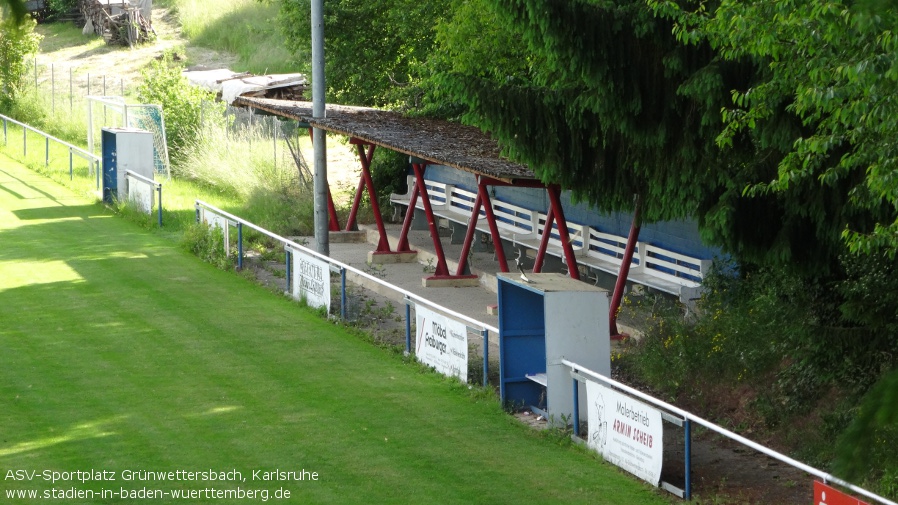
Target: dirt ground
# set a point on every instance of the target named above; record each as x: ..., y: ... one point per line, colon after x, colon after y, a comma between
x: 723, y: 472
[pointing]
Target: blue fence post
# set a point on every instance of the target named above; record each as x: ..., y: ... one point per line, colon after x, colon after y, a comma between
x: 408, y: 326
x: 486, y: 356
x: 71, y: 168
x: 239, y: 246
x: 46, y: 151
x: 576, y: 413
x: 343, y: 293
x: 96, y: 163
x: 287, y: 270
x: 159, y: 190
x: 687, y: 449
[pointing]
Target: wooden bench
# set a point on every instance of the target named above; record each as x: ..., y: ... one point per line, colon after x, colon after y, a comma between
x: 652, y: 266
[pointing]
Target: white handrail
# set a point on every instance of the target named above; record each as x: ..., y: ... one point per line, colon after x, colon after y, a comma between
x: 725, y: 432
x: 293, y: 245
x: 71, y: 147
x: 143, y: 179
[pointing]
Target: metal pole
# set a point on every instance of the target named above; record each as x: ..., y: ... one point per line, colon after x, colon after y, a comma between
x: 343, y: 293
x: 576, y: 413
x: 287, y: 265
x: 687, y: 431
x: 408, y: 327
x: 71, y: 168
x: 88, y: 84
x: 239, y: 246
x: 159, y: 189
x: 319, y: 137
x: 486, y: 356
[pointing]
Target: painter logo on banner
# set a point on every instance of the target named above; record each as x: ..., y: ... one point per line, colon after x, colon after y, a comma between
x: 626, y: 432
x: 441, y: 343
x: 311, y: 281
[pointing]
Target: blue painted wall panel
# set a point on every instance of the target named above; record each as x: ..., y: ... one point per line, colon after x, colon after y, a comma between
x: 678, y: 236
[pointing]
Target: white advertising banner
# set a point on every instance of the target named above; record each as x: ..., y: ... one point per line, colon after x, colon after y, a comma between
x: 141, y: 194
x: 311, y: 280
x: 626, y: 432
x: 441, y: 343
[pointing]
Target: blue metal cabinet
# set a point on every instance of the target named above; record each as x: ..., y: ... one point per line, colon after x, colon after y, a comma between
x: 540, y: 322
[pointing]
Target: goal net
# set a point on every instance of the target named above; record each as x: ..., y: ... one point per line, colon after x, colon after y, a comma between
x: 113, y: 111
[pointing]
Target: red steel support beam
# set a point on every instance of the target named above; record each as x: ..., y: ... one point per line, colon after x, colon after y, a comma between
x: 403, y: 246
x: 366, y: 154
x: 544, y: 241
x: 441, y: 269
x: 333, y: 222
x: 469, y: 236
x: 567, y: 247
x: 491, y: 221
x: 624, y: 271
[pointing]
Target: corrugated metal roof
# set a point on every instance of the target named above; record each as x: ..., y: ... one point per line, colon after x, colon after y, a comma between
x: 438, y: 141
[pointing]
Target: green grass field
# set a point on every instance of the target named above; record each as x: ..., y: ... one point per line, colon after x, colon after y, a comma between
x: 120, y: 352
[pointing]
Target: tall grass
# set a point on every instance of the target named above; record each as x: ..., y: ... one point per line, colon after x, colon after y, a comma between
x: 246, y: 28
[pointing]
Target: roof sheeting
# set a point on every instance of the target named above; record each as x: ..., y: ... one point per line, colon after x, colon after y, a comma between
x: 233, y: 84
x: 437, y: 141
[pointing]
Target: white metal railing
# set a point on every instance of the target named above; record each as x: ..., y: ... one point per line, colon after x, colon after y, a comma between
x: 410, y: 298
x: 827, y: 478
x: 157, y: 186
x: 73, y: 150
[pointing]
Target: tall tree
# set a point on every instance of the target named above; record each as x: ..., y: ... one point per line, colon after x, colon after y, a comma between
x: 15, y: 7
x: 835, y: 65
x: 600, y: 97
x: 374, y: 50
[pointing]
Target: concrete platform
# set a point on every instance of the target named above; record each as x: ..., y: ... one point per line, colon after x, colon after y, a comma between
x: 473, y: 298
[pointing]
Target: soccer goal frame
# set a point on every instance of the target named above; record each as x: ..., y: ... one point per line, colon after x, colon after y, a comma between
x: 147, y: 117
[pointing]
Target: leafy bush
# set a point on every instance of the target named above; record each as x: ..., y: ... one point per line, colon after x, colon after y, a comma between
x: 17, y: 40
x: 207, y: 243
x: 182, y: 104
x: 58, y: 7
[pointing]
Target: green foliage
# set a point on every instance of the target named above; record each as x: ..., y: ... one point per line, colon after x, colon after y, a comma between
x: 388, y: 172
x: 58, y: 7
x: 15, y: 8
x: 207, y: 243
x: 375, y: 51
x: 17, y: 42
x: 239, y: 163
x: 867, y: 448
x: 182, y: 104
x: 834, y: 66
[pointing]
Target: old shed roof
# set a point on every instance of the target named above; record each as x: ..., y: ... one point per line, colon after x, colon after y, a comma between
x: 440, y: 142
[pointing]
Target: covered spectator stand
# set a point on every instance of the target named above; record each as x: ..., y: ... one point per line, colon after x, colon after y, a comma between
x: 435, y: 142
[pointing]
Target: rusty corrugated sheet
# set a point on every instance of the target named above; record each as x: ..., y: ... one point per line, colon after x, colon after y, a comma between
x: 440, y: 142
